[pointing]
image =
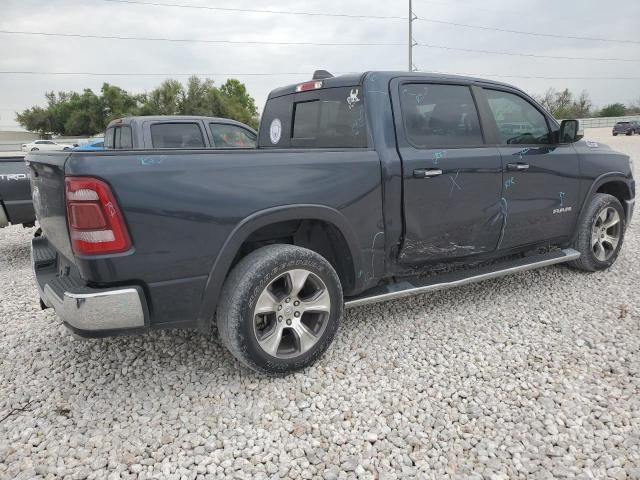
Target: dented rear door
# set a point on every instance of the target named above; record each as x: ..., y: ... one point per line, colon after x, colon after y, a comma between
x: 452, y: 179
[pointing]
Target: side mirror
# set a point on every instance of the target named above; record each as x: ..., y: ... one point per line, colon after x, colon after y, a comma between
x: 570, y: 132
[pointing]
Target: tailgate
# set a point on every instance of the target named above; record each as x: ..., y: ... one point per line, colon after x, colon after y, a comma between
x: 48, y: 190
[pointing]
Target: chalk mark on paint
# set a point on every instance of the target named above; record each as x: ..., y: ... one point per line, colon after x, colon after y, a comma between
x: 454, y: 182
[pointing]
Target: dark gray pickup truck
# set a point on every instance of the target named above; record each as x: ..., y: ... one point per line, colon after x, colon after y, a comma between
x: 15, y: 195
x: 363, y: 188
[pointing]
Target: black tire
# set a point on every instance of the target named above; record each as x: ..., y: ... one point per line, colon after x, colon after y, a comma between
x: 34, y: 149
x: 629, y: 133
x: 583, y: 242
x: 244, y: 285
x: 615, y: 134
x: 66, y: 149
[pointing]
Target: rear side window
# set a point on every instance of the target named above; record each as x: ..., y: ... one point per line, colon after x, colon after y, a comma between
x: 231, y: 136
x: 323, y: 118
x: 439, y: 115
x: 176, y: 135
x: 119, y: 138
x: 334, y: 120
x: 108, y: 138
x: 123, y: 140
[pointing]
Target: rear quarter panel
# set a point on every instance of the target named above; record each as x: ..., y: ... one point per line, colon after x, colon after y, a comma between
x: 182, y: 206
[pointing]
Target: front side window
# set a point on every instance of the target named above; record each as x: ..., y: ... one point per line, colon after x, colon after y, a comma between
x: 439, y: 115
x: 232, y: 136
x: 518, y: 121
x: 176, y: 135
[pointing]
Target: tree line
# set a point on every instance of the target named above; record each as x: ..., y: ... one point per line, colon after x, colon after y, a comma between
x: 565, y: 104
x: 88, y: 113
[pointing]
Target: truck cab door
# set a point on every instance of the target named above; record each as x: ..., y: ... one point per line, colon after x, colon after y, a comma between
x: 541, y: 183
x: 452, y: 179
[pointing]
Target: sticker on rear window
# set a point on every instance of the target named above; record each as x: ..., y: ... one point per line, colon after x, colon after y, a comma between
x: 352, y: 99
x: 275, y: 131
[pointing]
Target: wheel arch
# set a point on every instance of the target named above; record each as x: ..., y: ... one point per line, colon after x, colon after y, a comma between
x: 230, y: 252
x: 612, y: 183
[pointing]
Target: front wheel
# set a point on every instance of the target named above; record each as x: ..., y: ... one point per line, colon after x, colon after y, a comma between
x: 600, y: 233
x: 280, y: 309
x: 35, y: 149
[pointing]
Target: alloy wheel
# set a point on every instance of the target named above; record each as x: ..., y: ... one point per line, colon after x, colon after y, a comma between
x: 606, y: 233
x: 291, y: 314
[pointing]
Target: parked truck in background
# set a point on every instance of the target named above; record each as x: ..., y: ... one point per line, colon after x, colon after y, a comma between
x: 363, y: 188
x: 16, y: 207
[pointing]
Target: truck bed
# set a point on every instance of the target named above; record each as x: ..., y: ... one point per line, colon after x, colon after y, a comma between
x: 182, y: 208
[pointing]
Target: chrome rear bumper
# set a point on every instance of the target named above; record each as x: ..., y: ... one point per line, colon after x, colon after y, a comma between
x: 85, y: 310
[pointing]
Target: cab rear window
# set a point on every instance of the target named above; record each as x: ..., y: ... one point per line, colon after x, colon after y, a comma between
x: 327, y: 118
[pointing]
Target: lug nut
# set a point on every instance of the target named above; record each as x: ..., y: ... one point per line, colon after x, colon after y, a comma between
x: 280, y: 318
x: 287, y: 300
x: 288, y: 321
x: 279, y: 307
x: 297, y: 314
x: 296, y: 303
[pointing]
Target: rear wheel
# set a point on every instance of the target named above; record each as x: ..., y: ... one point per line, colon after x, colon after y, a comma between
x: 600, y: 233
x: 280, y: 309
x: 35, y: 149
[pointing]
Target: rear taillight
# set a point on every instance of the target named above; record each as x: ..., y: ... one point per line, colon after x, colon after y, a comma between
x: 96, y: 224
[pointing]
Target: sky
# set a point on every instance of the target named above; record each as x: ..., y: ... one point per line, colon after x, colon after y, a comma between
x: 574, y: 18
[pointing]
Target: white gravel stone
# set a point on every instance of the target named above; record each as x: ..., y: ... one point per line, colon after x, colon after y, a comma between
x: 536, y: 375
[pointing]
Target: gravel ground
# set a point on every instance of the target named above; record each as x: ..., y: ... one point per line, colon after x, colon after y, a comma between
x: 536, y: 375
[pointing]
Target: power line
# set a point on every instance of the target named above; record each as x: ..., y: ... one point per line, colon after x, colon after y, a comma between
x: 520, y: 32
x: 256, y: 10
x: 159, y: 74
x: 196, y: 40
x: 534, y: 77
x: 516, y: 54
x: 212, y: 74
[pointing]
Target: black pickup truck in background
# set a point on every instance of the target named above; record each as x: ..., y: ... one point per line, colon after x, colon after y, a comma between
x: 363, y: 188
x: 16, y: 206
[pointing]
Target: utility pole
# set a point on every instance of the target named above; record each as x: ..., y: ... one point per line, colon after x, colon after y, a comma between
x: 412, y: 43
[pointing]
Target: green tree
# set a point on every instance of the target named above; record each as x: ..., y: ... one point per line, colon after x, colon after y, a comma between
x: 613, y: 110
x: 117, y: 103
x: 87, y: 113
x: 35, y: 119
x: 563, y: 104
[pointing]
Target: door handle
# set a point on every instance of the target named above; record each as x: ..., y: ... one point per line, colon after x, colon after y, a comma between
x: 517, y: 166
x: 426, y: 172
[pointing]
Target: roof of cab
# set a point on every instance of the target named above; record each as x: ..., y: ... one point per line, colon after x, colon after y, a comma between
x: 351, y: 79
x: 173, y: 118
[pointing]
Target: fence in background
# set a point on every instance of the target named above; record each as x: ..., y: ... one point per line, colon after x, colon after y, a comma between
x: 599, y: 122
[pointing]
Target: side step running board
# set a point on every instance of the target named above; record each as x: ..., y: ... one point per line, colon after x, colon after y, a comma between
x: 416, y: 286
